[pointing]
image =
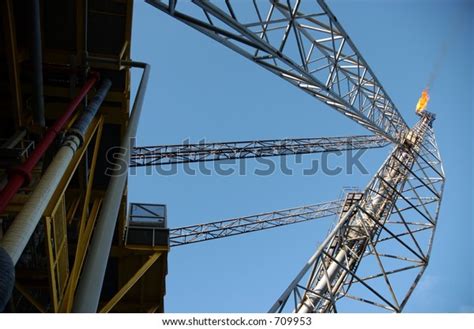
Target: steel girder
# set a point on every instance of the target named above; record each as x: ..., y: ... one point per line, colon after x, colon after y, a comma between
x: 240, y: 225
x: 185, y: 153
x: 303, y: 43
x: 379, y: 250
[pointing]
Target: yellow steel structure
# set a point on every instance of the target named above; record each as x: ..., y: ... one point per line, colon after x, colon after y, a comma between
x: 47, y: 275
x: 130, y: 283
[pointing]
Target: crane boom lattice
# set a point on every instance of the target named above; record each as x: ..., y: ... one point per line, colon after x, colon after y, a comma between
x: 240, y: 225
x: 186, y: 153
x: 303, y: 43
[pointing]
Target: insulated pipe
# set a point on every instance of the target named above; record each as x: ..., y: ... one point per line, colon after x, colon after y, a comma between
x: 92, y: 278
x: 22, y: 174
x: 307, y: 304
x: 321, y: 287
x: 22, y: 227
x: 80, y: 127
x: 38, y: 112
x: 310, y: 262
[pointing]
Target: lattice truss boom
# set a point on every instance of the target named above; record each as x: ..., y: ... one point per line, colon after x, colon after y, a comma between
x: 186, y: 153
x: 303, y: 43
x: 240, y: 225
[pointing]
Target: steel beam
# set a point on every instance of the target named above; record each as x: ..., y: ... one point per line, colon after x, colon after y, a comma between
x: 185, y: 153
x: 130, y: 283
x: 81, y: 249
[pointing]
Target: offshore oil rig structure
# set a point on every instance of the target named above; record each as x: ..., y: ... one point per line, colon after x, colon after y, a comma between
x: 69, y: 239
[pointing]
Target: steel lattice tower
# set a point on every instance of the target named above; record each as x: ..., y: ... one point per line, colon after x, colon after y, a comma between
x: 380, y: 247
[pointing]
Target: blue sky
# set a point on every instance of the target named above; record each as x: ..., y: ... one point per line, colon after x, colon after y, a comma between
x: 200, y: 89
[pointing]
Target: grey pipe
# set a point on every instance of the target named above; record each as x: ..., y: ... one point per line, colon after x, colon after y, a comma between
x: 80, y: 126
x: 92, y: 278
x: 38, y: 109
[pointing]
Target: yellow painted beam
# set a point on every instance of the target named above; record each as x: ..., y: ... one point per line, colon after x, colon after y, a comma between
x: 122, y: 52
x: 73, y: 209
x: 90, y: 179
x: 81, y: 250
x: 130, y: 283
x: 57, y: 296
x: 153, y: 309
x: 85, y: 226
x: 147, y: 248
x: 120, y: 252
x: 49, y: 250
x: 56, y: 240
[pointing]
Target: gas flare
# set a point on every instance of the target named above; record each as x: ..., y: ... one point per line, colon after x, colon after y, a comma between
x: 423, y: 101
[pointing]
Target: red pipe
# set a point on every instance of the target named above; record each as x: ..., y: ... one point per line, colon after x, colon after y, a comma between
x: 21, y: 175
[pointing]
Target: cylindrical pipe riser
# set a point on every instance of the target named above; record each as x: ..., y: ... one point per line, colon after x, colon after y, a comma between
x: 92, y: 278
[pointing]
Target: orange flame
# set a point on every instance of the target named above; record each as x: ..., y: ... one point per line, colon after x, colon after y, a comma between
x: 423, y: 101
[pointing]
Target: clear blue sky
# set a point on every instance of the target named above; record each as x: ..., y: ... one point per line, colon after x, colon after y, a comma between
x: 200, y: 89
